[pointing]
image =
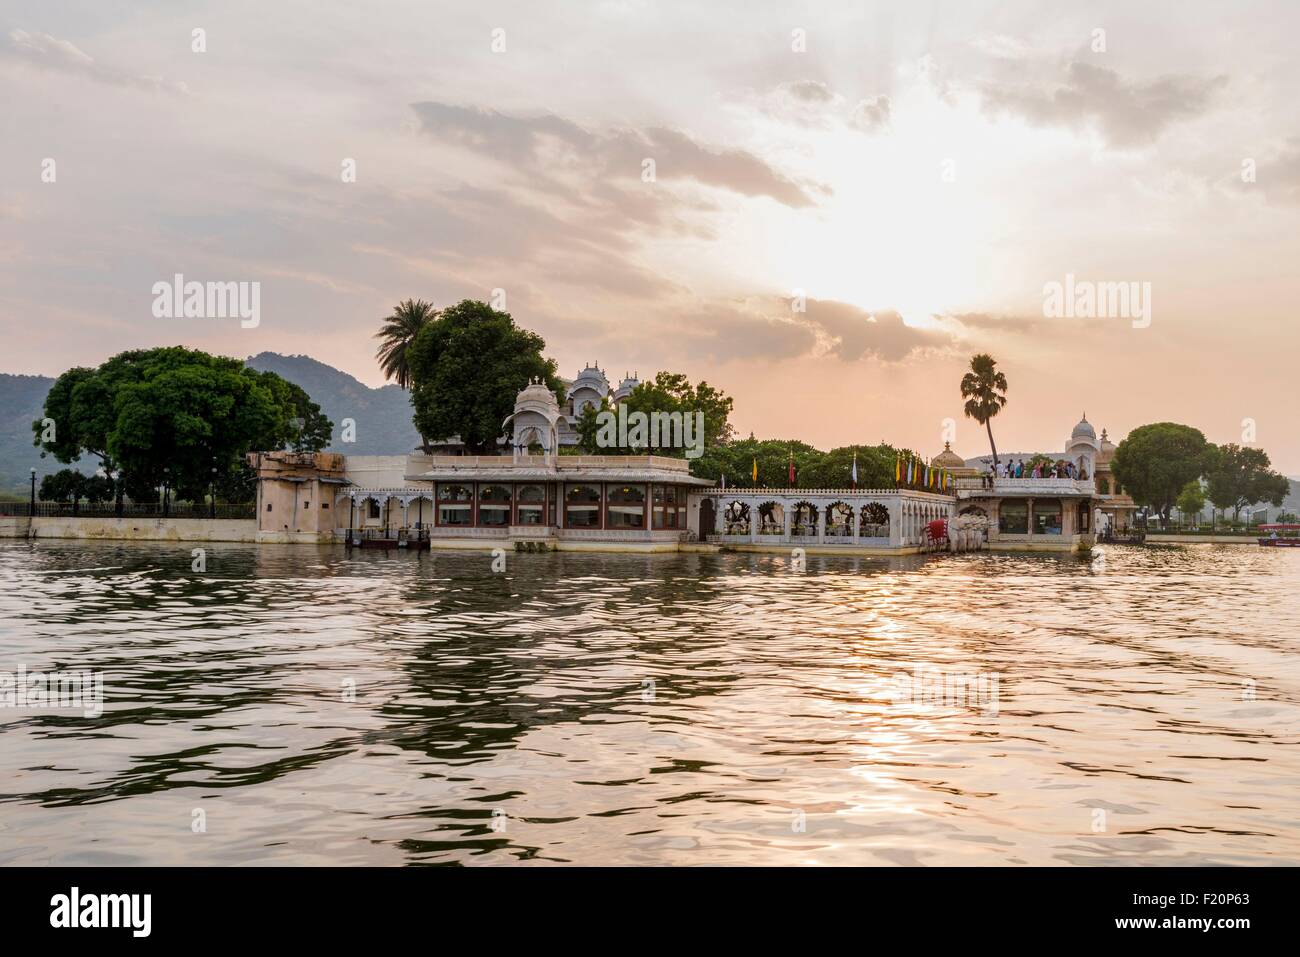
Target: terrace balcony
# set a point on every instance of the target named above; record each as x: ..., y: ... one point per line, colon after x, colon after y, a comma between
x: 977, y: 487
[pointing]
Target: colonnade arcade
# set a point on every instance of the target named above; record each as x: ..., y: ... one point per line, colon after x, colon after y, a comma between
x: 825, y: 516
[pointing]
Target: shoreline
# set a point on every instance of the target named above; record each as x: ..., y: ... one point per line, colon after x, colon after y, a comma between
x: 244, y: 531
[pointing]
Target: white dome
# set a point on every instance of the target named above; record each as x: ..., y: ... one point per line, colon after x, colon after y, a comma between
x: 536, y: 397
x: 625, y: 387
x: 591, y: 378
x: 1084, y: 430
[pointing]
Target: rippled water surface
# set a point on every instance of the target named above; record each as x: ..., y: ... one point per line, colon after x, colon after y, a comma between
x: 653, y: 709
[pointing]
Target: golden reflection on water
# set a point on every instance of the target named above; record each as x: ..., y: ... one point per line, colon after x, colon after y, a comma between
x: 663, y: 709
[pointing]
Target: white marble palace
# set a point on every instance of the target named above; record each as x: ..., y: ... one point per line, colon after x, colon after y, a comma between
x: 535, y: 498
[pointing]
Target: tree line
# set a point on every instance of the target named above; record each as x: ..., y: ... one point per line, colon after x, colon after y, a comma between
x: 1166, y: 465
x: 171, y: 419
x: 1162, y: 465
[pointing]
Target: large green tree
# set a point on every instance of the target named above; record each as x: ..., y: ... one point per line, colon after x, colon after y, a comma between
x: 985, y: 390
x: 466, y: 367
x: 1191, y: 500
x: 1237, y: 476
x: 667, y: 392
x: 175, y: 416
x: 1155, y: 462
x: 302, y: 426
x: 835, y: 468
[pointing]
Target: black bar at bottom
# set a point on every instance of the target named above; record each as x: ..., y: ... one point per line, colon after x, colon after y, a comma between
x: 926, y: 906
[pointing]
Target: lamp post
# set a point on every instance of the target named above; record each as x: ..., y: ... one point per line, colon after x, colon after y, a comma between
x: 212, y: 498
x: 167, y: 487
x: 32, y: 511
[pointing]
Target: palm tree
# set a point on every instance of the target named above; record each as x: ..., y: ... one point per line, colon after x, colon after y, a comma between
x: 985, y: 390
x: 397, y: 334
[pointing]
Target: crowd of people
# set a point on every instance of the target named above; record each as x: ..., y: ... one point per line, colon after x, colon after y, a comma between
x: 1061, y: 468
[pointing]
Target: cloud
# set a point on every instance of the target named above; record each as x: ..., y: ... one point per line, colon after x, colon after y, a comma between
x: 767, y: 327
x: 811, y: 91
x: 1127, y: 113
x: 551, y: 145
x: 872, y: 116
x: 1278, y: 176
x: 813, y: 104
x: 46, y: 52
x: 852, y: 333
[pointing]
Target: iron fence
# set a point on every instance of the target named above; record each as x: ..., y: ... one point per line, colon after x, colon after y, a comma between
x: 127, y: 510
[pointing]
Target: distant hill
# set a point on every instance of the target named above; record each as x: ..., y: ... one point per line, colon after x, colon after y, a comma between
x: 22, y: 398
x: 383, y: 416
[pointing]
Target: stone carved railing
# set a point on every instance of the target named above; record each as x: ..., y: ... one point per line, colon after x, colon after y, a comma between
x: 798, y: 493
x: 973, y: 487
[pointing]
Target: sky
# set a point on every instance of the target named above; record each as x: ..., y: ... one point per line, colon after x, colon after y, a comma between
x: 823, y: 209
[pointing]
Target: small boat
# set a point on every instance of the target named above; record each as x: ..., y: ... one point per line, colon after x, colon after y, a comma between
x: 1280, y: 536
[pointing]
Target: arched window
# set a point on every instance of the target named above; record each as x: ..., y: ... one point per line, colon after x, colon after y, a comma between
x: 582, y: 506
x: 531, y: 506
x: 771, y: 518
x: 455, y: 505
x: 873, y: 522
x: 804, y: 519
x: 626, y: 507
x: 735, y: 519
x: 494, y: 505
x: 839, y: 520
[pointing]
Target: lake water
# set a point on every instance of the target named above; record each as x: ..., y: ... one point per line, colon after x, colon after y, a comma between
x: 299, y: 705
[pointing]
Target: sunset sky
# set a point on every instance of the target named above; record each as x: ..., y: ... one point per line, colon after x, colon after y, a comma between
x: 919, y: 171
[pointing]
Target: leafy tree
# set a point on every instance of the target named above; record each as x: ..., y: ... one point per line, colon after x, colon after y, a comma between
x: 175, y: 414
x: 466, y: 366
x: 985, y: 392
x: 835, y: 468
x: 588, y: 429
x: 302, y: 426
x: 813, y: 467
x: 1155, y: 462
x: 736, y: 459
x: 673, y: 392
x: 1238, y: 476
x: 237, y: 486
x: 1191, y: 500
x: 98, y: 488
x: 61, y: 486
x: 669, y: 393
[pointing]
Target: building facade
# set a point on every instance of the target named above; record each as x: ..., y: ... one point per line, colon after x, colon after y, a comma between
x: 534, y: 497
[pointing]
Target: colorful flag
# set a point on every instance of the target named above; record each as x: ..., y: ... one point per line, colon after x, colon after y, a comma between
x: 755, y: 471
x: 898, y: 469
x: 855, y: 469
x: 724, y: 481
x: 791, y: 475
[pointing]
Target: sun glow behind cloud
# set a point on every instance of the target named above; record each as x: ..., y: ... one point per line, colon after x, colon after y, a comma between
x: 820, y: 172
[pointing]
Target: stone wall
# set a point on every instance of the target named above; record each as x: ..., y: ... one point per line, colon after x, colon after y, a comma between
x: 134, y: 529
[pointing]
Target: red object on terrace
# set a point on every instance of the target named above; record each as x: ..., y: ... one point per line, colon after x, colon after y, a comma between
x: 937, y: 531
